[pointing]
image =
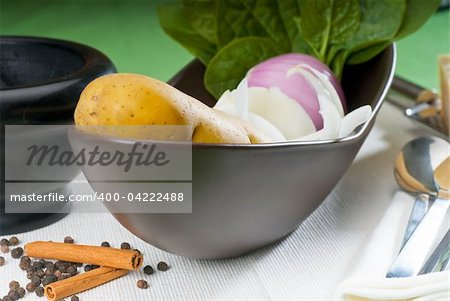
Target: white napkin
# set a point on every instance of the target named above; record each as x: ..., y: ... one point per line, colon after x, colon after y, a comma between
x: 368, y: 281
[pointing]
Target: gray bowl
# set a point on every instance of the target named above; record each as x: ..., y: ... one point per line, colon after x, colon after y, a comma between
x: 248, y: 196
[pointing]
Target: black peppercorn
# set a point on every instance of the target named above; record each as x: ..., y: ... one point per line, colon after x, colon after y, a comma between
x: 125, y: 246
x: 31, y: 287
x: 36, y: 280
x: 13, y: 285
x: 25, y: 258
x: 37, y: 265
x: 148, y: 270
x: 64, y: 276
x: 40, y: 273
x: 7, y: 298
x: 106, y: 245
x: 87, y: 268
x: 142, y: 284
x: 61, y: 265
x: 68, y: 240
x: 25, y: 262
x: 4, y: 242
x: 49, y: 279
x: 13, y: 294
x: 72, y: 270
x: 162, y: 266
x: 17, y: 253
x: 74, y: 298
x: 4, y: 248
x: 21, y: 292
x: 39, y: 291
x: 2, y: 261
x: 14, y: 241
x: 57, y: 273
x: 49, y: 265
x: 30, y: 274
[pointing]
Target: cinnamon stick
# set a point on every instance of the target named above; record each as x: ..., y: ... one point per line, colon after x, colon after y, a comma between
x: 107, y: 257
x: 79, y: 283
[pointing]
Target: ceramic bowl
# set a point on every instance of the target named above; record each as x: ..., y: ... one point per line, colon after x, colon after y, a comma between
x: 248, y: 196
x: 41, y: 80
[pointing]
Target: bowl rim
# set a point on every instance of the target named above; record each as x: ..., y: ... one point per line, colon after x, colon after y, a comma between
x: 85, y: 52
x: 270, y: 145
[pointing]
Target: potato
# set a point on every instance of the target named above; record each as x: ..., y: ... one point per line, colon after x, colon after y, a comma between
x: 132, y: 99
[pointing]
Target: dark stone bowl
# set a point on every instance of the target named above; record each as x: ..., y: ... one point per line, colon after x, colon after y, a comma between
x: 248, y: 196
x: 40, y: 82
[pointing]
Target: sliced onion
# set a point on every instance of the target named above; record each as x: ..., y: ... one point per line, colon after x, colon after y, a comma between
x: 354, y: 119
x: 283, y: 112
x: 267, y: 127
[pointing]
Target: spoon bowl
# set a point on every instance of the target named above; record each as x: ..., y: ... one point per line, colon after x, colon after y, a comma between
x: 422, y: 167
x: 416, y: 164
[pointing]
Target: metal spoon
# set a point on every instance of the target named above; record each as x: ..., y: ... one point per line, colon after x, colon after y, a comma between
x: 417, y: 178
x: 414, y: 160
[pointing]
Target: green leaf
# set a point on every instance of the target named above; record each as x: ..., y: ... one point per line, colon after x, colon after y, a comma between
x: 232, y: 62
x: 328, y: 22
x: 299, y: 44
x: 175, y: 21
x: 201, y: 15
x: 245, y: 18
x: 290, y: 10
x: 380, y: 21
x: 338, y: 63
x: 367, y: 53
x: 416, y: 14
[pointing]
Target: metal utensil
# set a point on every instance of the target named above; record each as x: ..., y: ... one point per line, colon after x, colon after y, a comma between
x: 415, y: 157
x: 421, y: 205
x: 422, y: 105
x: 439, y: 259
x: 414, y: 172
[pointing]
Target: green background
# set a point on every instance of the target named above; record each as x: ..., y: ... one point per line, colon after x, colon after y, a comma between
x: 129, y: 33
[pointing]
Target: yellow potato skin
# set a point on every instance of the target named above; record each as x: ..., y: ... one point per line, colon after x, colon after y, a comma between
x: 126, y: 99
x: 132, y: 99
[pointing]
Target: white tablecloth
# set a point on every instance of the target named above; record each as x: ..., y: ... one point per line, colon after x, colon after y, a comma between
x: 306, y: 265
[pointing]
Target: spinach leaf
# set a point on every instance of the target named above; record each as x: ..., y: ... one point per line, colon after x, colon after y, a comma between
x: 338, y: 63
x: 380, y: 21
x: 290, y: 10
x: 202, y: 17
x: 328, y: 22
x: 231, y: 36
x: 174, y: 20
x: 233, y: 61
x: 243, y: 18
x: 299, y: 44
x: 417, y: 12
x: 234, y: 21
x: 367, y: 53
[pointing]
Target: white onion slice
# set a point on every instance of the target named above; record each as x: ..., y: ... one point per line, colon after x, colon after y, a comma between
x: 241, y: 99
x: 226, y: 103
x: 282, y: 118
x: 354, y: 119
x: 325, y: 83
x: 283, y: 112
x: 267, y: 127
